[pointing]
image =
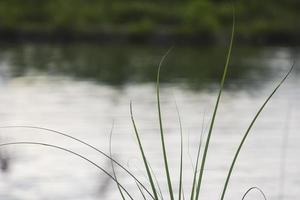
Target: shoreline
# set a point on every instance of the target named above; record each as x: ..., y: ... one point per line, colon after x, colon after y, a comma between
x: 268, y: 39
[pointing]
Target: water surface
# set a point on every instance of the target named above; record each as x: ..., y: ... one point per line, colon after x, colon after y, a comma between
x: 81, y: 89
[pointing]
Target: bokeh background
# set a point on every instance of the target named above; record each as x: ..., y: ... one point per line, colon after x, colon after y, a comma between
x: 74, y: 66
x: 155, y: 21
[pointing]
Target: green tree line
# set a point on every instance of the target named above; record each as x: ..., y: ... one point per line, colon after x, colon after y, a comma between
x: 256, y: 19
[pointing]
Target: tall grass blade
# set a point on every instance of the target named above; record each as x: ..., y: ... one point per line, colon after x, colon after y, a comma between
x: 197, y: 162
x: 71, y: 152
x: 143, y: 155
x: 161, y: 128
x: 181, y: 153
x: 157, y: 183
x: 141, y: 191
x: 248, y: 131
x: 47, y: 130
x: 112, y: 163
x: 215, y: 109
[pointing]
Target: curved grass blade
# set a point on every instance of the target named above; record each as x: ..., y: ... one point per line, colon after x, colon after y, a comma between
x: 71, y: 152
x: 254, y: 188
x: 161, y: 128
x: 248, y: 131
x: 197, y: 162
x: 141, y: 191
x: 188, y: 151
x: 155, y: 179
x: 157, y: 183
x: 47, y: 130
x: 112, y: 163
x: 181, y: 153
x: 215, y: 109
x: 143, y: 155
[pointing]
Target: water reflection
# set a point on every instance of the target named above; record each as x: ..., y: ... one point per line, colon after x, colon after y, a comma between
x: 37, y: 90
x: 118, y: 65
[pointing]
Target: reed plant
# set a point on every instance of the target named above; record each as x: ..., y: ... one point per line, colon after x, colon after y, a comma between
x: 154, y: 191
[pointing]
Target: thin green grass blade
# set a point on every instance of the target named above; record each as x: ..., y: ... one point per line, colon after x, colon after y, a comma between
x: 155, y: 180
x: 197, y: 162
x: 193, y: 184
x: 157, y: 183
x: 71, y: 152
x: 143, y: 155
x: 161, y: 128
x: 189, y: 152
x: 141, y: 191
x: 248, y: 131
x: 215, y: 110
x: 255, y: 188
x: 51, y: 131
x: 112, y: 163
x: 181, y: 153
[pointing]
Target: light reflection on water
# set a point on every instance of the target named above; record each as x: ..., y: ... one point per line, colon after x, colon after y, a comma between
x: 85, y: 106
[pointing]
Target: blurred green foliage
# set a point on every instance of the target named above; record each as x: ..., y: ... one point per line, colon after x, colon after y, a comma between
x: 119, y: 65
x: 256, y: 18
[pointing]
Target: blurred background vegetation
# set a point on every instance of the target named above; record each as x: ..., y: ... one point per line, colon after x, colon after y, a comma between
x: 155, y: 21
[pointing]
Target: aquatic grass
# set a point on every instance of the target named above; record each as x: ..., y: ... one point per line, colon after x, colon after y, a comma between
x: 157, y: 183
x: 197, y: 162
x: 143, y: 155
x: 155, y: 192
x: 254, y: 188
x: 112, y: 163
x: 181, y: 152
x: 203, y: 161
x: 51, y: 131
x: 141, y: 191
x: 71, y: 152
x: 150, y: 173
x: 162, y: 137
x: 248, y: 131
x: 147, y: 166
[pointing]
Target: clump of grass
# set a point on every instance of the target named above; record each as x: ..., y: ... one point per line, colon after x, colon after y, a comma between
x: 155, y: 192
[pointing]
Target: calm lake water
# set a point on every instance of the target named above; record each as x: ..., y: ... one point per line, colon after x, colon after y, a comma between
x: 81, y: 89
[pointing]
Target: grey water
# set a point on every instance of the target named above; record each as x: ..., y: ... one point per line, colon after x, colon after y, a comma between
x: 82, y: 89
